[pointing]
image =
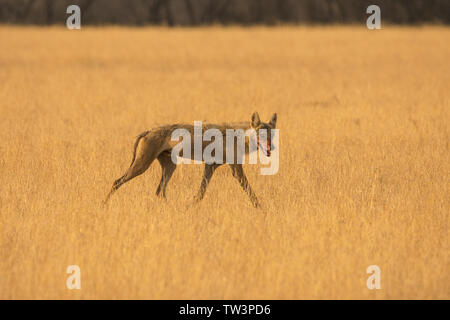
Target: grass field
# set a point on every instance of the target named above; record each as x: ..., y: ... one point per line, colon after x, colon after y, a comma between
x: 364, y: 163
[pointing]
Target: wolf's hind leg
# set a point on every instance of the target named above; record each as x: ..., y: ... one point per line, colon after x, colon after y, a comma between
x: 140, y: 164
x: 168, y: 167
x: 239, y: 174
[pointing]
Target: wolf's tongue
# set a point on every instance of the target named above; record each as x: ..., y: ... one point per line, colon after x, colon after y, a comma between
x: 265, y: 150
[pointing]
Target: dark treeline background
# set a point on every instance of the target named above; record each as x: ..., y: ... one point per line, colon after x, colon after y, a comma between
x: 204, y: 12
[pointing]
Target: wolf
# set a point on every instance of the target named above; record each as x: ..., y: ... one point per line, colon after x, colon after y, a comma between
x: 157, y: 144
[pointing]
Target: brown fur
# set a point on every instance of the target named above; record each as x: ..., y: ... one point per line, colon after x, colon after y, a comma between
x: 157, y: 144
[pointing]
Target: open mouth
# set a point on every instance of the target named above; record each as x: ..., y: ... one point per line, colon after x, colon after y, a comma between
x: 267, y: 148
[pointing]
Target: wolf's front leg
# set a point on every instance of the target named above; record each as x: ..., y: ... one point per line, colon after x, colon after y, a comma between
x: 239, y: 174
x: 207, y: 175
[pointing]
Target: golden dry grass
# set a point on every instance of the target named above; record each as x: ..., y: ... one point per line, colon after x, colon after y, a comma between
x: 364, y: 163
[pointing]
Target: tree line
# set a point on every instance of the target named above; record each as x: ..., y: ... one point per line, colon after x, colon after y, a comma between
x: 224, y: 12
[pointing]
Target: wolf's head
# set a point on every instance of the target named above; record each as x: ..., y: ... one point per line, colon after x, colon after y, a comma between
x: 264, y: 132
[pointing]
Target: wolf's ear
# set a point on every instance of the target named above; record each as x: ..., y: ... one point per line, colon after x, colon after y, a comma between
x: 255, y: 120
x: 273, y: 120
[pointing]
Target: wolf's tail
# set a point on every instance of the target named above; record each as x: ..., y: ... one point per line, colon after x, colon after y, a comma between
x: 139, y: 137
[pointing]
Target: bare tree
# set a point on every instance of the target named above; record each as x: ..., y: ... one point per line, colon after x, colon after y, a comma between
x: 191, y: 12
x: 48, y: 12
